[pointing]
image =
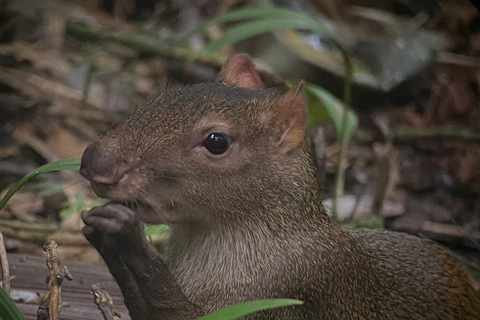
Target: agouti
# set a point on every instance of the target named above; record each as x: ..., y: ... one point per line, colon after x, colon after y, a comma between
x: 228, y: 167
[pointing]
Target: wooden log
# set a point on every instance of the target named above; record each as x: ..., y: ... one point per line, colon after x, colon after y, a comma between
x: 29, y: 276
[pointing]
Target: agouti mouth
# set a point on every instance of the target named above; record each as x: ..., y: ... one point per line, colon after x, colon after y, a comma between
x: 145, y: 212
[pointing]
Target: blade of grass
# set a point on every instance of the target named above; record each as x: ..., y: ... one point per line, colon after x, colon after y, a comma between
x: 250, y: 29
x: 270, y: 13
x: 344, y: 138
x: 240, y: 310
x: 8, y: 308
x: 64, y: 164
x: 346, y: 122
x: 269, y: 19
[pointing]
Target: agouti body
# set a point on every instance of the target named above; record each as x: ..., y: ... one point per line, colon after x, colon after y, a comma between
x: 227, y: 166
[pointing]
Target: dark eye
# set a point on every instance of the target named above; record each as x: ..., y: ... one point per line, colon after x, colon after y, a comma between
x: 217, y: 142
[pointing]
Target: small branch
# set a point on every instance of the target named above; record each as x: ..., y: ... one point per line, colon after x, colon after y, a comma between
x: 4, y: 265
x: 51, y: 304
x: 385, y: 175
x: 104, y: 302
x: 448, y: 131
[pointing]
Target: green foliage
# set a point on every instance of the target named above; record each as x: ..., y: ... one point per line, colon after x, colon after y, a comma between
x: 9, y: 311
x: 8, y: 308
x: 154, y: 229
x: 369, y: 222
x: 47, y: 188
x: 240, y: 310
x: 325, y: 106
x: 79, y: 203
x: 64, y: 164
x: 261, y: 20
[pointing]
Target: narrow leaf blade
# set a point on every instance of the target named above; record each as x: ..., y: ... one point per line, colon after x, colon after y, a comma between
x: 271, y: 13
x: 8, y: 308
x: 240, y: 310
x: 64, y: 164
x: 250, y: 29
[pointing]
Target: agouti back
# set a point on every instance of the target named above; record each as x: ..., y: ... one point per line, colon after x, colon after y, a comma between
x: 227, y: 166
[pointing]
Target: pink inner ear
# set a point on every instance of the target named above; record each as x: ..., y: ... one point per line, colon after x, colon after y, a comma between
x: 238, y: 70
x: 290, y: 113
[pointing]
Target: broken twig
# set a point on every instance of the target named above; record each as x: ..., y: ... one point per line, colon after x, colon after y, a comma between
x: 104, y: 302
x: 4, y: 266
x: 51, y: 304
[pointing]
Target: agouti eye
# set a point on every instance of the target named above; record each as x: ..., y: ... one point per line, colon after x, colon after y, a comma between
x: 217, y: 142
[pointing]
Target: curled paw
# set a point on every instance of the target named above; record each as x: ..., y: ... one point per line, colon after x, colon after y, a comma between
x: 111, y: 221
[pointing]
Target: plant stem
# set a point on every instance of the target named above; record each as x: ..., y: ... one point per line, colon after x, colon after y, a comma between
x: 64, y: 164
x: 4, y: 266
x: 343, y: 138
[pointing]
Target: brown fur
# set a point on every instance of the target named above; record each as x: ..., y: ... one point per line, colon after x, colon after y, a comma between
x: 249, y: 224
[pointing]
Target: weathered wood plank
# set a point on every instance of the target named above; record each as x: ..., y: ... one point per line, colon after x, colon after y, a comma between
x: 30, y: 273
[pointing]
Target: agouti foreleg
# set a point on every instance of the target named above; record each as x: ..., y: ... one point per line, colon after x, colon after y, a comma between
x: 149, y: 289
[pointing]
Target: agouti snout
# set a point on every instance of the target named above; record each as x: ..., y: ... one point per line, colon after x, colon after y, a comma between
x: 185, y: 149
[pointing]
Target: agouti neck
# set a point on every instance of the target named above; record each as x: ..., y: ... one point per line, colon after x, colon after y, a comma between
x: 278, y: 235
x: 290, y: 207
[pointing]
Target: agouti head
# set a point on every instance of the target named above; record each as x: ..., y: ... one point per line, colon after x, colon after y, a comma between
x: 207, y: 152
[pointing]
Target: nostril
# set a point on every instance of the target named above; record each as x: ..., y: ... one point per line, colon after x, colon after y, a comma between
x: 99, y: 168
x: 87, y: 159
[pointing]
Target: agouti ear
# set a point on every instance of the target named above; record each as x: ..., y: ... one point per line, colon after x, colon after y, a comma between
x: 289, y: 114
x: 238, y: 70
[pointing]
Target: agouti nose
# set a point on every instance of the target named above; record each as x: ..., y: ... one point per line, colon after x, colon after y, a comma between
x: 98, y: 168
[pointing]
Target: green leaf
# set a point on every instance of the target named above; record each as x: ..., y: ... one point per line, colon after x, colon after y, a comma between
x: 8, y: 308
x: 268, y: 19
x: 77, y: 204
x: 272, y: 13
x: 154, y: 229
x: 64, y: 164
x: 325, y: 106
x: 240, y: 310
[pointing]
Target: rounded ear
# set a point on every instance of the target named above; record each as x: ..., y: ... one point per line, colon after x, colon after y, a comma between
x: 289, y: 113
x: 238, y: 70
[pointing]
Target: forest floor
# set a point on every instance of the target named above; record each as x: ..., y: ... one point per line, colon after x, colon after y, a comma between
x: 69, y: 70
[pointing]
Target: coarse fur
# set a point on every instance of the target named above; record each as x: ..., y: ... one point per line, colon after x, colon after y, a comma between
x: 248, y: 224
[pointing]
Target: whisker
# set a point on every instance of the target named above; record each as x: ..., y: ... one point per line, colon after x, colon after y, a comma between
x: 71, y: 185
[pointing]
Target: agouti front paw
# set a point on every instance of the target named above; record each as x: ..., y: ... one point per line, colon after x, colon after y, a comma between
x: 112, y: 225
